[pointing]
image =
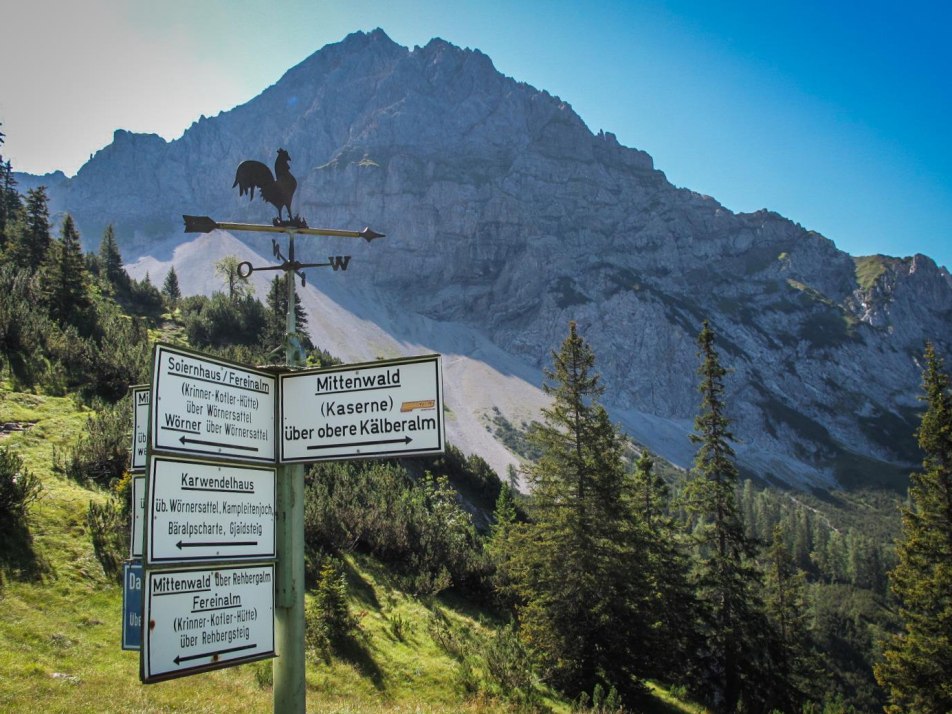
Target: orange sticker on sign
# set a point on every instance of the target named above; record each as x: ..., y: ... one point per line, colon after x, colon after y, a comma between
x: 421, y: 404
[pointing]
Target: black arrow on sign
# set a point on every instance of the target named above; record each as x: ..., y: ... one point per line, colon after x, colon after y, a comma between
x: 179, y: 658
x: 212, y: 544
x: 185, y: 440
x: 404, y: 440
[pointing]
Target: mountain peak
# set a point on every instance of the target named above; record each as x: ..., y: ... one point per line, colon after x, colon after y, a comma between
x: 508, y: 216
x: 361, y: 39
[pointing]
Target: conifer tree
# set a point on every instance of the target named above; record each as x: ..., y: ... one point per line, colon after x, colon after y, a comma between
x: 277, y: 304
x: 499, y: 546
x: 574, y: 566
x: 10, y: 202
x: 66, y: 278
x: 170, y: 288
x: 650, y: 492
x: 30, y: 241
x: 917, y: 666
x: 671, y: 607
x: 110, y: 261
x: 785, y: 604
x: 727, y: 580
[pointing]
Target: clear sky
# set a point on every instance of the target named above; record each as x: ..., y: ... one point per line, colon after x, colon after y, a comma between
x: 834, y: 113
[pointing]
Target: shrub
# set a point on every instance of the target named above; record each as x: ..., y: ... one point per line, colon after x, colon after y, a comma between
x: 417, y: 527
x: 102, y: 455
x: 509, y: 667
x: 109, y: 530
x: 18, y: 488
x: 328, y: 622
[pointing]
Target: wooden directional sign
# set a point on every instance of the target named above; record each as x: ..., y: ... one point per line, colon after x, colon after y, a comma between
x: 200, y: 620
x: 203, y: 405
x: 138, y: 516
x: 388, y: 408
x: 206, y: 511
x: 140, y: 426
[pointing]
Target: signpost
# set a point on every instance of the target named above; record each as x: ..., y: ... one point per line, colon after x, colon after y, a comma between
x: 201, y: 620
x: 378, y: 409
x: 211, y: 407
x: 140, y: 426
x: 214, y: 510
x: 207, y: 511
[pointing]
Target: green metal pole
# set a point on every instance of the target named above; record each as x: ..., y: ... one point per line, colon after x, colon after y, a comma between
x: 288, y: 666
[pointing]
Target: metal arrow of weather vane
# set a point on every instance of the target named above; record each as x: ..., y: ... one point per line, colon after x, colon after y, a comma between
x: 277, y: 189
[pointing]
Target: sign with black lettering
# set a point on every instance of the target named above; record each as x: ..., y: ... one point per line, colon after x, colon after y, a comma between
x: 201, y: 511
x: 140, y: 426
x: 199, y: 620
x: 138, y: 516
x: 392, y: 408
x: 203, y: 405
x: 131, y: 606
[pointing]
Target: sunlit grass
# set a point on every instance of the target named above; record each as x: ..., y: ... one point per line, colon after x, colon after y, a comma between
x: 60, y: 619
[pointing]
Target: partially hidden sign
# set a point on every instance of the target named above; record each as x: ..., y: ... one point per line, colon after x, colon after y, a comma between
x: 200, y: 620
x: 140, y: 426
x: 131, y: 606
x: 356, y: 411
x: 209, y: 511
x: 208, y: 406
x: 138, y: 516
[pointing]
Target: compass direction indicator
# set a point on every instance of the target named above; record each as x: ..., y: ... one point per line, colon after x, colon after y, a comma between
x: 204, y: 224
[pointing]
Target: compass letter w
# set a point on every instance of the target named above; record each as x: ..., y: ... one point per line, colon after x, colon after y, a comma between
x: 339, y: 262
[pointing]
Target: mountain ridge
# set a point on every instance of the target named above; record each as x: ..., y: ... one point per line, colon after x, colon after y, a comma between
x: 506, y: 215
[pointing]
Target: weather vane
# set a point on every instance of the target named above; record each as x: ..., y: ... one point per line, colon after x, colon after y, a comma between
x: 278, y: 190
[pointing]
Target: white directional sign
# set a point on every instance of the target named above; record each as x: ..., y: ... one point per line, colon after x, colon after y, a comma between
x: 138, y: 516
x: 205, y: 405
x: 357, y: 411
x: 205, y: 511
x: 140, y: 426
x: 200, y: 620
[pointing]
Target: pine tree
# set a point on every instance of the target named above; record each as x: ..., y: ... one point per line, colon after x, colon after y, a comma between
x: 10, y: 202
x: 574, y: 567
x: 651, y: 492
x: 110, y: 261
x: 277, y: 304
x: 727, y: 579
x: 671, y: 608
x: 917, y: 666
x: 66, y: 278
x: 328, y: 621
x: 170, y: 288
x: 30, y: 241
x: 499, y: 545
x: 786, y: 608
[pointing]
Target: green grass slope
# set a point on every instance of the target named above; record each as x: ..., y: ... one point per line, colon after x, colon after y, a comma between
x: 60, y: 620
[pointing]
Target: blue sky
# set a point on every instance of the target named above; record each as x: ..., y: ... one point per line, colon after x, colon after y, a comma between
x: 834, y: 114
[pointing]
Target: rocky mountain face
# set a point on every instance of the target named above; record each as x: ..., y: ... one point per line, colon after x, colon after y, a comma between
x: 506, y: 216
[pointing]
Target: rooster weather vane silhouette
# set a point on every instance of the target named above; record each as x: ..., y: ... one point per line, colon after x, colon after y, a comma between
x: 277, y: 188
